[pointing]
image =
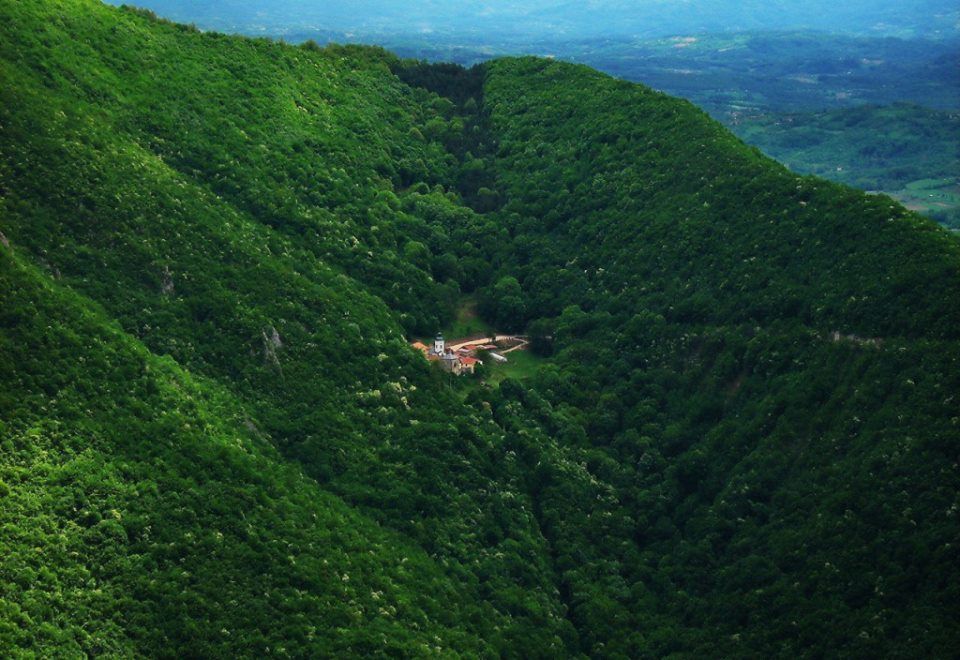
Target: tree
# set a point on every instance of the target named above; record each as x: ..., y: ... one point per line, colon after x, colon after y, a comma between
x: 540, y: 332
x: 418, y: 254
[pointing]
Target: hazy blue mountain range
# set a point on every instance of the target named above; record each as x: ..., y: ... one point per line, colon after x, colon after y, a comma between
x: 738, y: 71
x: 500, y: 19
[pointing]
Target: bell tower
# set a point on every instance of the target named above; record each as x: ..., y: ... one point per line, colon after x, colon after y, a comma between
x: 439, y: 345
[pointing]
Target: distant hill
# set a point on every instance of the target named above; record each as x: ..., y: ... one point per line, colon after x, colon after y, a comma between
x: 905, y: 150
x: 537, y: 19
x: 215, y: 439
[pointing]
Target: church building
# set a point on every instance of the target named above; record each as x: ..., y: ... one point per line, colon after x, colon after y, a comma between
x: 457, y: 362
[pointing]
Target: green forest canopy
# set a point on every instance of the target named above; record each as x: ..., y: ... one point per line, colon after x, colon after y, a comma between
x: 216, y: 441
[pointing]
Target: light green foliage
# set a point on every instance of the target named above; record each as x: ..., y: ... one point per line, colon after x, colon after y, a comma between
x: 233, y: 207
x: 146, y: 513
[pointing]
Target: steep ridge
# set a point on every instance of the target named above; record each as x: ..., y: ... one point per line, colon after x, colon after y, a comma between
x: 144, y: 508
x: 746, y: 428
x: 200, y: 275
x: 752, y: 367
x: 666, y: 202
x: 731, y: 343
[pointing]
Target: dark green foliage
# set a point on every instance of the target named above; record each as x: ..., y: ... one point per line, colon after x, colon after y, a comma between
x: 716, y: 232
x: 746, y: 376
x: 215, y: 441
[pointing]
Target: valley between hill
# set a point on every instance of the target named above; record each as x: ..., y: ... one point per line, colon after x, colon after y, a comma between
x: 215, y: 439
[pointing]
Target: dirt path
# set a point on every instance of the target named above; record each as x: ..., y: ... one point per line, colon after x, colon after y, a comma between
x: 477, y: 341
x: 519, y: 347
x: 471, y: 342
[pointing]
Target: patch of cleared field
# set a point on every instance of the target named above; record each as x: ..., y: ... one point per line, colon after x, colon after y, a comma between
x: 930, y: 195
x: 467, y: 323
x: 520, y: 365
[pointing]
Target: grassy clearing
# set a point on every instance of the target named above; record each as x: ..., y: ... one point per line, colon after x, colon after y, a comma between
x: 467, y: 322
x: 522, y: 364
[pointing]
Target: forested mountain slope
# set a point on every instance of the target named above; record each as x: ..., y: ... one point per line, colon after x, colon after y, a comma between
x: 754, y: 367
x: 144, y: 513
x: 194, y: 226
x: 216, y: 440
